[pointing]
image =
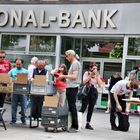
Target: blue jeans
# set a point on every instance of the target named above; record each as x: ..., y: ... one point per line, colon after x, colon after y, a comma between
x: 18, y: 98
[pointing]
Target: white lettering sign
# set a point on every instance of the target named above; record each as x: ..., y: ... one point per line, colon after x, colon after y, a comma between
x: 64, y: 19
x: 30, y: 18
x: 3, y: 18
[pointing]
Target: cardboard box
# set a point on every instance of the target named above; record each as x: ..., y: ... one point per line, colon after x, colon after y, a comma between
x: 6, y: 87
x: 51, y: 101
x: 5, y: 78
x: 22, y: 78
x: 39, y: 80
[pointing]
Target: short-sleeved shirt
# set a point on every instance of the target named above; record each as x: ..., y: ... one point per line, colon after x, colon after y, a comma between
x: 13, y: 72
x: 122, y: 86
x: 75, y: 66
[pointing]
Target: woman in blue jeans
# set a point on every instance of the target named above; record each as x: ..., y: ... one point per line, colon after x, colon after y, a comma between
x: 92, y: 78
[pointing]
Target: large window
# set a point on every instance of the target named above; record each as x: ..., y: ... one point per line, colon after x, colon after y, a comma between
x: 13, y: 42
x: 66, y: 44
x: 102, y: 47
x: 110, y: 68
x: 134, y: 46
x: 42, y: 43
x: 130, y: 64
x: 27, y: 58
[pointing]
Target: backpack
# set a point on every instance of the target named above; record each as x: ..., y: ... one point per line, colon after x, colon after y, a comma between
x: 123, y: 119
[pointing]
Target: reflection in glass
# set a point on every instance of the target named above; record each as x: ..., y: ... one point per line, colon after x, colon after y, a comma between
x: 130, y: 64
x: 111, y: 69
x: 77, y: 46
x: 13, y: 42
x: 134, y: 46
x: 27, y: 58
x: 67, y: 43
x: 42, y: 43
x: 99, y: 48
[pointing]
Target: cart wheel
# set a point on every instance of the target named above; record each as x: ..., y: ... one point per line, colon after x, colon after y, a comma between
x: 64, y: 128
x: 55, y: 130
x: 46, y: 129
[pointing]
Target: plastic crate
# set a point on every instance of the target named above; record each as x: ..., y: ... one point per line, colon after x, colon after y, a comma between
x: 54, y: 111
x: 134, y: 106
x: 38, y: 89
x: 21, y: 88
x: 49, y: 121
x: 104, y: 103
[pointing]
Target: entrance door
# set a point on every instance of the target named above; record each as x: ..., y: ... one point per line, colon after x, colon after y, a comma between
x: 106, y: 68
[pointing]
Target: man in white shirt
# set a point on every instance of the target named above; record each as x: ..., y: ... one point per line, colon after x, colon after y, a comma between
x: 118, y: 92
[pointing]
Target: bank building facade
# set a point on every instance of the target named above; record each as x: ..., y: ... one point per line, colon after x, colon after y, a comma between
x: 105, y: 32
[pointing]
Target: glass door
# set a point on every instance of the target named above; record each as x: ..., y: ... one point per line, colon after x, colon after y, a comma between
x: 106, y: 68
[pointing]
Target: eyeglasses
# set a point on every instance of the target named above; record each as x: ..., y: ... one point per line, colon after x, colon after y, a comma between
x: 2, y: 56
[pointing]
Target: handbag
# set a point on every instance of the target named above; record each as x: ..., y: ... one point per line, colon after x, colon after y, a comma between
x: 83, y: 91
x: 123, y: 119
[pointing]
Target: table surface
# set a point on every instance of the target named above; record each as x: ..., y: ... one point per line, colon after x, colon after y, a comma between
x: 133, y: 101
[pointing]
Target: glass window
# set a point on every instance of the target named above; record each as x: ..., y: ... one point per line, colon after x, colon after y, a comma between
x: 27, y: 58
x: 42, y: 43
x: 110, y: 69
x: 87, y: 64
x: 67, y: 43
x: 77, y: 46
x: 13, y: 42
x: 134, y: 46
x: 130, y: 64
x: 102, y: 48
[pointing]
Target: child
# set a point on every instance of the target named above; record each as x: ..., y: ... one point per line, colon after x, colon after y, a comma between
x: 60, y: 83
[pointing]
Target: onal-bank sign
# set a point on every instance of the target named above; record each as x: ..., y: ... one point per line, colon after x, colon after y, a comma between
x: 84, y: 18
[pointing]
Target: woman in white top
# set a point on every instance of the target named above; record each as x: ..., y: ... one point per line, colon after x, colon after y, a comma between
x: 92, y: 78
x: 32, y: 66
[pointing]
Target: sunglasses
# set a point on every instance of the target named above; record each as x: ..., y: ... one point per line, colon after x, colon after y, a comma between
x: 2, y: 56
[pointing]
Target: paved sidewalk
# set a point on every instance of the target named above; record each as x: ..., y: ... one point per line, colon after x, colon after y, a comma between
x: 100, y: 122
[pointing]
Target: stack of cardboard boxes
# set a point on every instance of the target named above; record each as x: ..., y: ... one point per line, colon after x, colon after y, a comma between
x: 54, y: 116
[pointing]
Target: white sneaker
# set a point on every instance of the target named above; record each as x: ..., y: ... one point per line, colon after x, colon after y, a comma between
x: 107, y: 111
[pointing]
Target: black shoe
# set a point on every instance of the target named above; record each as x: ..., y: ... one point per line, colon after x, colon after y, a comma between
x: 88, y: 126
x: 24, y: 123
x: 72, y: 130
x: 12, y: 122
x: 115, y: 128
